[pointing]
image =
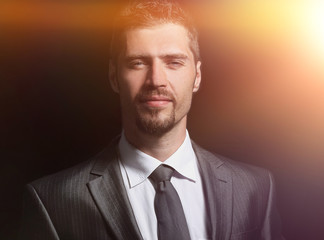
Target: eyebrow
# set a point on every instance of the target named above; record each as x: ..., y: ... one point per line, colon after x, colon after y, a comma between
x: 129, y: 58
x: 174, y: 56
x: 165, y: 56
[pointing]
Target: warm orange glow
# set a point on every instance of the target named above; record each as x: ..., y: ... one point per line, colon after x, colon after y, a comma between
x: 312, y: 29
x: 57, y: 15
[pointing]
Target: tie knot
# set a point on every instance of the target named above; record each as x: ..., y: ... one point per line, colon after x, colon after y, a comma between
x: 161, y: 173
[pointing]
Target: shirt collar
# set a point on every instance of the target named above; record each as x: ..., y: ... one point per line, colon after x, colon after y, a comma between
x: 139, y: 165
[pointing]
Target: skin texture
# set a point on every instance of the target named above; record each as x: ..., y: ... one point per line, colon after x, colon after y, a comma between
x: 156, y: 77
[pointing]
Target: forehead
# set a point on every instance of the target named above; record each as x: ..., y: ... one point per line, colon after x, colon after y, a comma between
x: 157, y: 40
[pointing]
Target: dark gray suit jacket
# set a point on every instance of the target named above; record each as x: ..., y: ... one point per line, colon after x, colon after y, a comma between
x: 89, y: 201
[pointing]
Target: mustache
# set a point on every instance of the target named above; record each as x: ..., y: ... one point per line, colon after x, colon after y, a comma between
x: 146, y: 94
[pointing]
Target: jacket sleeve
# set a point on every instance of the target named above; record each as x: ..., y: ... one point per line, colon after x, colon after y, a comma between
x: 36, y: 223
x: 271, y: 229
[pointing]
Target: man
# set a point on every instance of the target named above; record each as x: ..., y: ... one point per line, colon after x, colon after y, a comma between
x: 153, y: 182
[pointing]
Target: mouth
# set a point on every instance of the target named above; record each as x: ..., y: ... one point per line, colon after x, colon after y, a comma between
x: 156, y: 101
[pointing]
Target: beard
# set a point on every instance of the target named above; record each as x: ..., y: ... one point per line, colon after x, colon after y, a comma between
x: 154, y: 121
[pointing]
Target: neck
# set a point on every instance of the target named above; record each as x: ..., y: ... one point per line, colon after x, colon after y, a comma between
x: 159, y: 147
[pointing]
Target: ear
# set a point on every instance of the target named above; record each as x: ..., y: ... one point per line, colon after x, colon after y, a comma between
x: 113, y: 77
x: 198, y: 77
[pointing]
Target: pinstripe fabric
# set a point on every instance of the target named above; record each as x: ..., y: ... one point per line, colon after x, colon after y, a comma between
x: 85, y: 202
x: 240, y: 199
x: 89, y: 201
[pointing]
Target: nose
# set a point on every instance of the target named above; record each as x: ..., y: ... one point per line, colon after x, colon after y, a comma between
x: 157, y: 75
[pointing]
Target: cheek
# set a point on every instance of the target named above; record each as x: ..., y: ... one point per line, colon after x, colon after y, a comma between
x: 130, y: 85
x: 183, y: 85
x: 184, y: 94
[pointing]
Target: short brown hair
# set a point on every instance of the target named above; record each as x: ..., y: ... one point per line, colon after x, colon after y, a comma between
x: 147, y: 14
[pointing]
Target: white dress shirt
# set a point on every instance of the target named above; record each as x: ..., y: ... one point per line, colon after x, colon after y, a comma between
x: 136, y: 166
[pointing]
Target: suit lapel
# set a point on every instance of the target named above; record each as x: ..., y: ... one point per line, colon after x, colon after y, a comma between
x: 217, y: 183
x: 109, y: 194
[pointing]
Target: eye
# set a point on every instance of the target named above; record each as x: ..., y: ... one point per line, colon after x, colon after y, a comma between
x: 136, y: 64
x: 175, y: 64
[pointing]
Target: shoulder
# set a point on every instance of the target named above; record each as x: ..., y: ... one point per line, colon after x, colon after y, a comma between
x: 248, y: 179
x: 83, y: 172
x: 245, y: 172
x: 242, y: 175
x: 79, y: 175
x: 72, y: 177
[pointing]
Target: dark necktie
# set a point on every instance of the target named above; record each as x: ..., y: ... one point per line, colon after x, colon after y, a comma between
x: 172, y: 223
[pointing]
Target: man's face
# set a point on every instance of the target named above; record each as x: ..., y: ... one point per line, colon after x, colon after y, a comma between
x: 155, y: 77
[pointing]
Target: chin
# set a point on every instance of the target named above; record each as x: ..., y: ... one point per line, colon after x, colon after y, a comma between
x: 155, y: 126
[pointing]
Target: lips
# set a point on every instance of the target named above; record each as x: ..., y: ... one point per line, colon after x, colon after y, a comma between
x: 156, y: 101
